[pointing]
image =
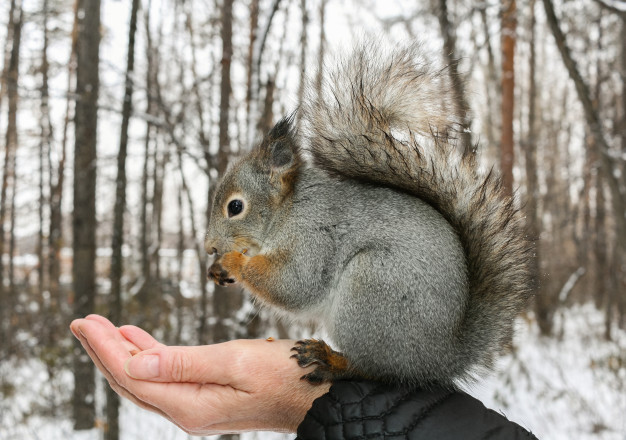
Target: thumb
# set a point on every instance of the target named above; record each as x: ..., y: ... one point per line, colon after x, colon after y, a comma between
x: 143, y: 366
x: 202, y: 364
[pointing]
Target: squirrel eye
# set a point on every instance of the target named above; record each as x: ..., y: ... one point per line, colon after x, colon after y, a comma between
x: 235, y: 207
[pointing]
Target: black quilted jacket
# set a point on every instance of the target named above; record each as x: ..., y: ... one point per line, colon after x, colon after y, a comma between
x: 367, y: 410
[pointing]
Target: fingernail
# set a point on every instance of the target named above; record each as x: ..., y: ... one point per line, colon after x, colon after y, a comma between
x: 142, y: 367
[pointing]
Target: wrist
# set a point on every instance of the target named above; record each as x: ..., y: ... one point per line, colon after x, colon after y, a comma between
x: 299, y: 402
x: 290, y: 396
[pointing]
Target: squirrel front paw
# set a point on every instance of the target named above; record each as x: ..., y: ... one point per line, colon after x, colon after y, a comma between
x: 219, y: 275
x: 227, y: 269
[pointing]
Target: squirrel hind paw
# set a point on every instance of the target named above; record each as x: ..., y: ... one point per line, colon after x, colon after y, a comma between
x: 330, y: 365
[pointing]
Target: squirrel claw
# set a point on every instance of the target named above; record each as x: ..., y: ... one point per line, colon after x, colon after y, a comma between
x: 219, y: 275
x: 330, y: 365
x: 314, y: 378
x: 226, y: 281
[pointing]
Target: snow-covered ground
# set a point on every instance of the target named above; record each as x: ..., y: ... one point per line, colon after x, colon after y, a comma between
x: 572, y: 386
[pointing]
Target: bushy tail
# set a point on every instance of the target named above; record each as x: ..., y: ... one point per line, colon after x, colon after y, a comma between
x: 389, y: 119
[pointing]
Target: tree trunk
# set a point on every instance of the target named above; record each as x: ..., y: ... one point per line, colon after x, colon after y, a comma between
x: 8, y: 44
x: 159, y: 159
x: 12, y: 250
x: 542, y: 309
x: 267, y: 116
x: 8, y: 177
x: 258, y: 48
x: 303, y: 49
x: 206, y: 121
x: 55, y: 235
x: 115, y: 297
x: 320, y: 56
x: 620, y: 257
x: 225, y: 88
x: 492, y: 90
x: 254, y: 24
x: 145, y: 234
x: 600, y: 251
x: 458, y: 88
x: 224, y: 300
x: 508, y: 37
x: 203, y: 319
x: 44, y: 149
x: 200, y: 253
x: 203, y: 119
x: 144, y: 225
x: 84, y: 220
x: 177, y: 339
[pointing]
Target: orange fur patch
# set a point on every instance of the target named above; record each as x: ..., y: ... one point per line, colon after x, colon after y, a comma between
x: 234, y: 262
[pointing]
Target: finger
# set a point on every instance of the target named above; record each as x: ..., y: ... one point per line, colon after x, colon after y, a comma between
x: 101, y: 319
x: 208, y: 364
x: 113, y: 381
x: 105, y: 342
x: 115, y: 385
x: 139, y: 337
x: 131, y: 347
x: 175, y: 402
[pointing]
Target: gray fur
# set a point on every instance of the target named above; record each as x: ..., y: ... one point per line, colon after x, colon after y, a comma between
x: 412, y: 260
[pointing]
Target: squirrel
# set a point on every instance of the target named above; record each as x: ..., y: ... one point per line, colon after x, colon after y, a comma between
x: 360, y: 212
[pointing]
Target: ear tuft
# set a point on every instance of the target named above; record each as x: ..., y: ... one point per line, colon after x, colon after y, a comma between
x: 282, y: 147
x: 281, y: 153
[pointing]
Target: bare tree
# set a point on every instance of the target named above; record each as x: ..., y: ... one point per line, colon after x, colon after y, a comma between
x: 225, y: 88
x: 254, y: 24
x: 44, y: 146
x: 7, y: 51
x: 618, y: 272
x: 224, y: 301
x: 8, y: 175
x: 452, y: 59
x: 145, y: 225
x: 57, y: 178
x: 320, y: 54
x: 115, y: 297
x: 84, y: 220
x: 267, y: 115
x: 257, y: 55
x: 303, y: 49
x: 542, y: 309
x: 492, y: 92
x: 508, y: 37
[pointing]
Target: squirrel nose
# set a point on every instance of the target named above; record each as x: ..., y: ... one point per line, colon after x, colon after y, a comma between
x: 210, y: 247
x: 211, y: 250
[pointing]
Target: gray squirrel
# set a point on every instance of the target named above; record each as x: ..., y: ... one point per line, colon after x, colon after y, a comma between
x: 360, y: 213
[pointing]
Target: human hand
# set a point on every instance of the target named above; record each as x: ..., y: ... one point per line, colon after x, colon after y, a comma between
x: 236, y: 386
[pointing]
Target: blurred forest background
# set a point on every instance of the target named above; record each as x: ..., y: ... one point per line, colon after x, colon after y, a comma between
x: 118, y: 116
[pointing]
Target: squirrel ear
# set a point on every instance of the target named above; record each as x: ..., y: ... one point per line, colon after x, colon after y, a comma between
x: 282, y: 146
x: 283, y: 154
